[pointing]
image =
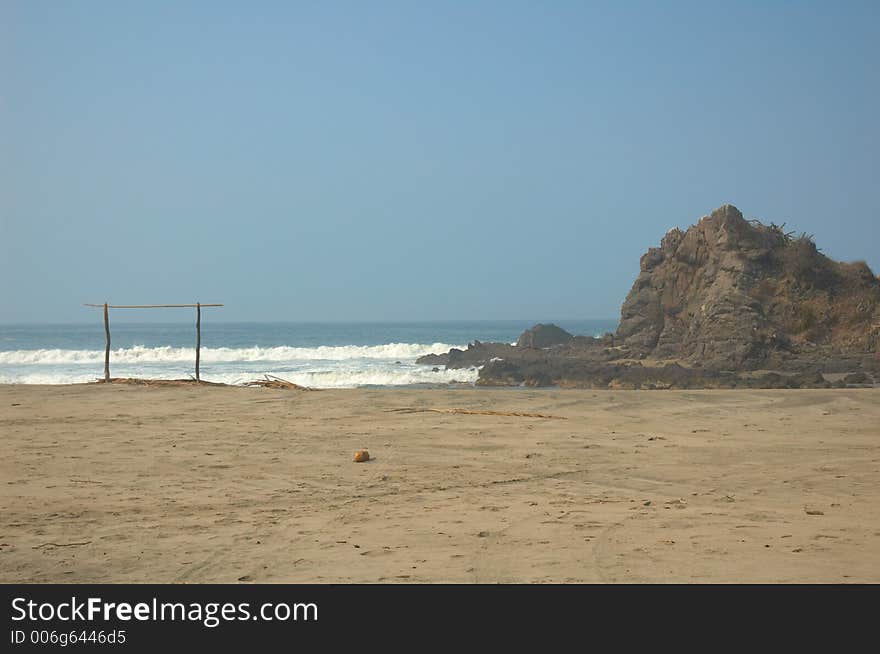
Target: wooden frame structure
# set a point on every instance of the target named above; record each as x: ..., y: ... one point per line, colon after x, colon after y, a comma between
x: 197, y: 306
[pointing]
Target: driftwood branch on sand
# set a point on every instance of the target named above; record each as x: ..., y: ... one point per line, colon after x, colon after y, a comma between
x: 37, y: 547
x: 271, y: 381
x: 478, y: 413
x: 136, y: 381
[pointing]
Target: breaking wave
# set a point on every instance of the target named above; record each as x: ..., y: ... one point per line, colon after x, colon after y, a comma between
x: 345, y: 366
x: 167, y: 354
x: 312, y: 378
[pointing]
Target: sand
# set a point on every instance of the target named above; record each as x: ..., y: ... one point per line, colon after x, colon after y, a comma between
x: 141, y: 484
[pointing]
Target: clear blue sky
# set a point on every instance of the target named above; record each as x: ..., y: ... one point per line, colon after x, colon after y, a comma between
x: 415, y: 160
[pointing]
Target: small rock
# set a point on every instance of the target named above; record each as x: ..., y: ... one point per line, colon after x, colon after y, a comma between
x: 361, y: 456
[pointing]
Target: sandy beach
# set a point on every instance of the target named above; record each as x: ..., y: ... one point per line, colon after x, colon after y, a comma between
x: 211, y: 484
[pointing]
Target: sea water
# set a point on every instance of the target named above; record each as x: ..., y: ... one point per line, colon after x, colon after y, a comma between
x: 319, y: 355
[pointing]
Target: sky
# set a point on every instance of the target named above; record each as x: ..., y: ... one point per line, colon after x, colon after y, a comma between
x: 312, y: 161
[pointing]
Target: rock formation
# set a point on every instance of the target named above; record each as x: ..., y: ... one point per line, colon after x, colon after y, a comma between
x: 739, y: 294
x: 541, y: 336
x: 728, y: 302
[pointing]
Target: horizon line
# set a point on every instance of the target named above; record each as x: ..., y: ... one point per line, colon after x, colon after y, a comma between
x: 322, y: 321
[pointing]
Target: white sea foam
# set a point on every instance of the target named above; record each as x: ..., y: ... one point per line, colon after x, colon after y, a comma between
x: 330, y: 378
x: 167, y: 354
x: 344, y: 366
x: 379, y: 377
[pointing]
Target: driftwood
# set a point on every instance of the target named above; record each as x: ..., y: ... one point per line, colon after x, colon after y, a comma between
x: 136, y: 381
x: 478, y: 413
x: 271, y: 381
x: 37, y: 547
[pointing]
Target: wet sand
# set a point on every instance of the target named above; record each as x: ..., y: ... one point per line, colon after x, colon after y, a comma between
x: 211, y: 484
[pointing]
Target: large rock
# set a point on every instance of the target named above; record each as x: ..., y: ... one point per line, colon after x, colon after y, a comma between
x: 735, y: 293
x: 541, y: 336
x: 726, y: 303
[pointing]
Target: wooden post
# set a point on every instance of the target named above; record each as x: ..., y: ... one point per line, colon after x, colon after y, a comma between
x: 198, y: 336
x: 107, y: 347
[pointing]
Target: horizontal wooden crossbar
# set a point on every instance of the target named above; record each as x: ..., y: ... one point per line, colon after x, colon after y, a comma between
x: 151, y: 306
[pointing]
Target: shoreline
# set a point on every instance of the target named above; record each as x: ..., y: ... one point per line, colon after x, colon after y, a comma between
x: 450, y: 386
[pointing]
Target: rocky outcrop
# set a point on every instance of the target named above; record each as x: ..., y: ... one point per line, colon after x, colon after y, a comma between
x: 635, y: 375
x: 733, y: 293
x: 476, y: 354
x: 543, y: 335
x: 576, y: 348
x: 726, y: 303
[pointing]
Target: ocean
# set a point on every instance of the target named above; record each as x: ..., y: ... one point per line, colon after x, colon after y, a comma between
x: 319, y: 355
